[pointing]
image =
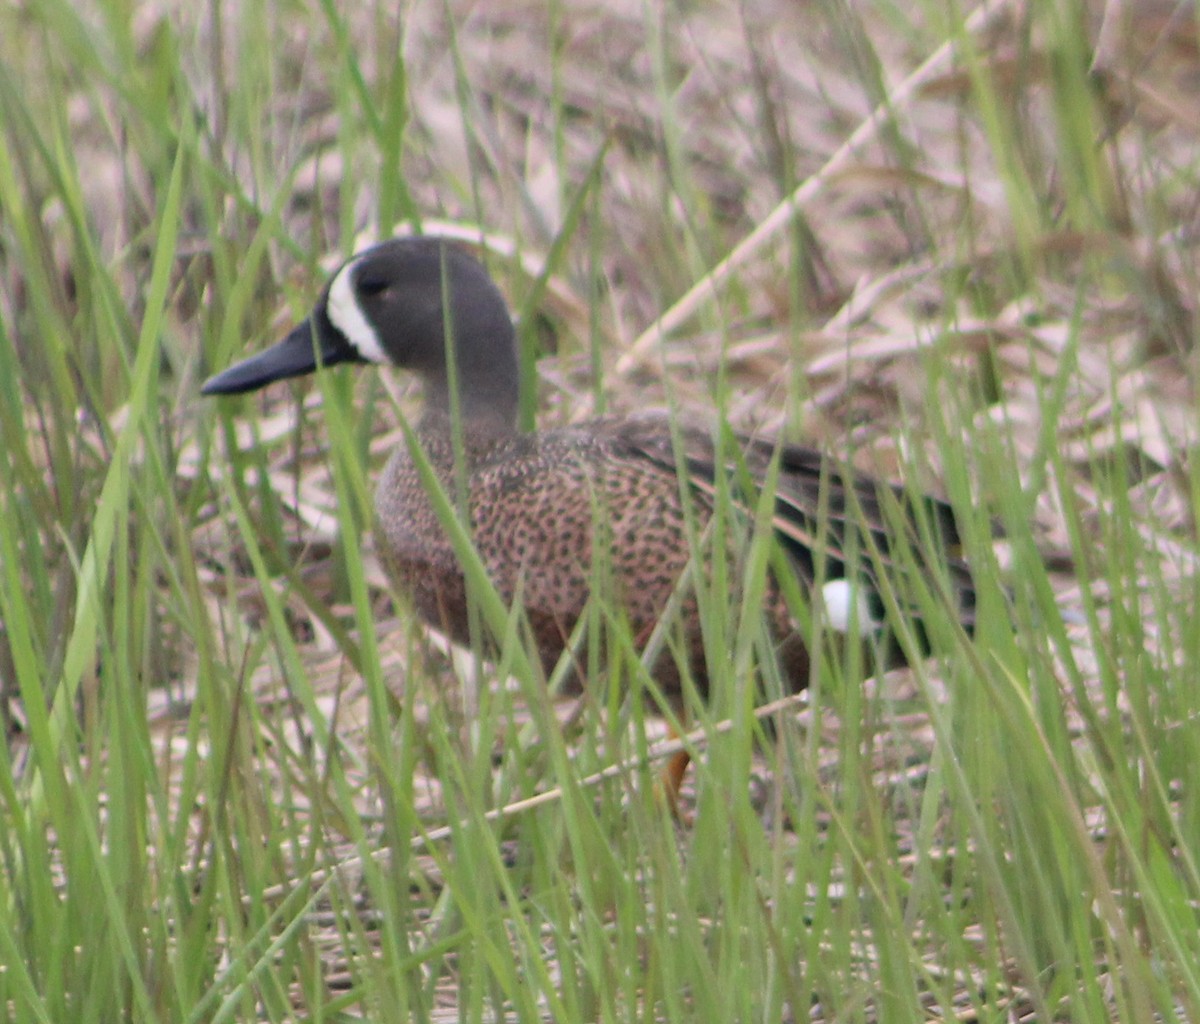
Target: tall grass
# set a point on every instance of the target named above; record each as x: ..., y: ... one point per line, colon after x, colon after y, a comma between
x: 238, y: 784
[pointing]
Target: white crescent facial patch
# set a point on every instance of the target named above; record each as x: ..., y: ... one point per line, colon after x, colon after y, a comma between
x: 347, y: 316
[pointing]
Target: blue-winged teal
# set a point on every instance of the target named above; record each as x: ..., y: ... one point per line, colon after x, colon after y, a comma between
x: 536, y: 498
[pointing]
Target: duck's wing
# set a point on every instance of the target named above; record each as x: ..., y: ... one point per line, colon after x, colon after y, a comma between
x: 833, y: 521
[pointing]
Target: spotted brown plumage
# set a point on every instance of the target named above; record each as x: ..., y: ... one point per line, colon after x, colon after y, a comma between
x: 542, y: 504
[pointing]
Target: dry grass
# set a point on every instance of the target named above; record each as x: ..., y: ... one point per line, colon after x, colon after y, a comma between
x: 995, y: 284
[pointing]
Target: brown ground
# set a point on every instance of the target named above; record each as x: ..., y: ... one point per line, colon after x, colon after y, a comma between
x: 764, y: 96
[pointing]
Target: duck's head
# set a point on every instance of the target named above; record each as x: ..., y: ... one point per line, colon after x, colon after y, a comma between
x: 403, y: 302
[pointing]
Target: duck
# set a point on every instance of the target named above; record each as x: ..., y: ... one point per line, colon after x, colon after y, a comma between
x: 546, y: 506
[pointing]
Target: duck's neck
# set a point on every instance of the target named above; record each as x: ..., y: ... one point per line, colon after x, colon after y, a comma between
x: 487, y: 397
x: 486, y: 375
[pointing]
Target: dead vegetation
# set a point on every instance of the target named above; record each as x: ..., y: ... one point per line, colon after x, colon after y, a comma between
x: 700, y: 125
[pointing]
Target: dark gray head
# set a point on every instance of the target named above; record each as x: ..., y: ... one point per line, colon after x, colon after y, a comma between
x: 388, y: 304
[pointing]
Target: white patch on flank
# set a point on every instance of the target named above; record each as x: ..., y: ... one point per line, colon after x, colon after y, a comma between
x: 846, y: 607
x: 347, y: 316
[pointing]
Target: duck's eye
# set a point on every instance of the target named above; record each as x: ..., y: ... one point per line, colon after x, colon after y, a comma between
x: 371, y: 285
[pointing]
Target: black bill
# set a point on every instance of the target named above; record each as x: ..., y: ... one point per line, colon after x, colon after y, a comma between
x: 299, y: 353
